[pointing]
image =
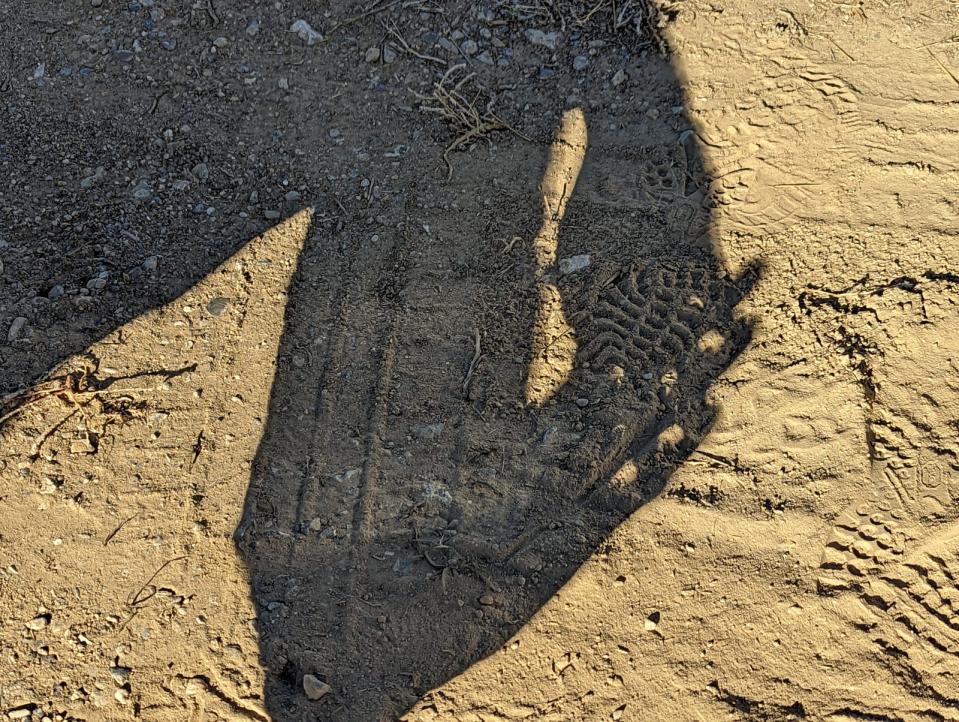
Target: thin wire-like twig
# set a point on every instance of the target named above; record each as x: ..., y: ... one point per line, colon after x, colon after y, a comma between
x: 136, y: 600
x: 118, y: 527
x: 392, y: 29
x: 477, y: 357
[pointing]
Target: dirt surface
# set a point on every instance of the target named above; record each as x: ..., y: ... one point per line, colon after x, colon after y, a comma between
x: 479, y: 361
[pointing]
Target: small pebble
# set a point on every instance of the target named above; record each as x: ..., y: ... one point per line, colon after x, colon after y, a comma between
x: 487, y: 600
x: 619, y: 78
x: 547, y: 40
x: 151, y: 263
x: 389, y: 55
x: 582, y: 402
x: 217, y: 306
x: 427, y: 432
x: 54, y: 293
x: 142, y: 192
x: 305, y: 32
x: 253, y: 27
x: 572, y: 264
x: 221, y: 42
x: 39, y: 622
x: 470, y: 47
x: 580, y: 62
x: 16, y: 328
x: 372, y: 55
x: 81, y: 446
x: 314, y: 688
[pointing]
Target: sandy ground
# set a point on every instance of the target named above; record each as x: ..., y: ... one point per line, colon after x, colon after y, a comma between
x: 479, y: 361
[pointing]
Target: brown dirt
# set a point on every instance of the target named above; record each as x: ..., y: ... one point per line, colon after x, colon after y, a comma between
x: 558, y: 360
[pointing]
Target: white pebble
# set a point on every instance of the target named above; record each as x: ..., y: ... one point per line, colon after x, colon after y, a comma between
x: 305, y: 32
x: 573, y: 264
x: 16, y: 328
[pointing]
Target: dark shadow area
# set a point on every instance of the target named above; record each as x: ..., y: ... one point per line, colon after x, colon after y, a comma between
x: 408, y: 510
x: 129, y: 171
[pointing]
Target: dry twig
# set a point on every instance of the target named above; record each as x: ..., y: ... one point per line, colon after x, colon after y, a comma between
x: 477, y: 357
x: 464, y: 110
x: 392, y: 29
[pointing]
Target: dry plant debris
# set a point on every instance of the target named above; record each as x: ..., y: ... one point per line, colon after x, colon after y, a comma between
x: 465, y: 107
